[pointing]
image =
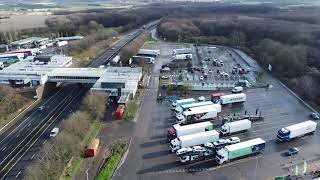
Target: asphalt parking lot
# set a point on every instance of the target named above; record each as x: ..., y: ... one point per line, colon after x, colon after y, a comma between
x: 149, y: 156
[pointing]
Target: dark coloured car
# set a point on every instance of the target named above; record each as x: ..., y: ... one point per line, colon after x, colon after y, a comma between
x: 292, y: 151
x: 314, y: 116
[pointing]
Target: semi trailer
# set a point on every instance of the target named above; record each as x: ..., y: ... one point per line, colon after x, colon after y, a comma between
x: 181, y: 51
x: 194, y: 139
x: 296, y: 130
x: 181, y: 102
x: 197, y: 115
x: 233, y: 98
x: 149, y: 52
x: 185, y: 107
x: 240, y: 150
x: 236, y: 126
x: 178, y: 130
x: 182, y: 56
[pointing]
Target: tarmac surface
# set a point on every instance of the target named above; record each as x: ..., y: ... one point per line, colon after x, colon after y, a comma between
x: 149, y: 156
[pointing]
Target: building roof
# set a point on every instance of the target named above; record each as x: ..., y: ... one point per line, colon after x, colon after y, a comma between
x: 87, y: 72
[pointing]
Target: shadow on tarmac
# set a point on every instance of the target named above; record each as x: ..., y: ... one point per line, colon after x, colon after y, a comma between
x: 156, y: 154
x: 153, y: 143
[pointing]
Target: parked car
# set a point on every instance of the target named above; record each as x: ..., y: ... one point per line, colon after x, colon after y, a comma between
x: 314, y: 116
x: 210, y: 71
x: 292, y: 151
x: 201, y: 78
x: 165, y: 69
x: 164, y: 77
x: 184, y: 150
x: 201, y: 99
x: 237, y: 89
x: 41, y: 108
x: 225, y: 142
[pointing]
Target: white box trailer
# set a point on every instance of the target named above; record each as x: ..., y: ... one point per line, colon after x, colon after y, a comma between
x: 236, y: 126
x: 296, y: 130
x: 181, y: 102
x: 149, y: 52
x: 197, y: 115
x: 185, y: 107
x: 61, y: 43
x: 210, y: 106
x: 182, y: 56
x: 181, y: 51
x: 239, y: 150
x: 194, y: 139
x: 178, y: 130
x: 233, y: 98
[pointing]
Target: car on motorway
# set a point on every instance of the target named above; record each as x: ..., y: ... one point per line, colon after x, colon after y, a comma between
x: 292, y: 151
x: 164, y: 77
x: 41, y: 108
x: 314, y: 116
x: 112, y: 48
x: 54, y: 132
x: 210, y: 71
x: 201, y: 78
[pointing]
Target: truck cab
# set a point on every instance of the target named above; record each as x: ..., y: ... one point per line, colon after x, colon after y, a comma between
x: 221, y: 156
x: 172, y: 134
x: 174, y: 144
x: 180, y: 118
x: 178, y: 110
x: 283, y: 134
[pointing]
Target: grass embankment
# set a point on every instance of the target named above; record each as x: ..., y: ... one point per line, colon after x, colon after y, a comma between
x: 261, y: 80
x: 112, y: 163
x: 150, y: 41
x: 92, y: 133
x: 131, y: 111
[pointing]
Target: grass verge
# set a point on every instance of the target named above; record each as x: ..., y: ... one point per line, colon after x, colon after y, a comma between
x: 92, y: 133
x: 72, y: 169
x: 131, y: 111
x: 112, y: 163
x: 261, y: 79
x: 149, y: 42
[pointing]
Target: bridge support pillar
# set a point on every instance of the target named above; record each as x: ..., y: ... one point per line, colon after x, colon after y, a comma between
x: 46, y: 89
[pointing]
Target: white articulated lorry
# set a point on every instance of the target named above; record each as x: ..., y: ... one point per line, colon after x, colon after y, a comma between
x: 296, y: 130
x: 181, y: 51
x: 240, y: 150
x: 186, y: 107
x: 182, y: 56
x: 233, y: 98
x: 194, y: 139
x: 197, y: 115
x: 236, y: 126
x: 149, y: 52
x: 178, y: 130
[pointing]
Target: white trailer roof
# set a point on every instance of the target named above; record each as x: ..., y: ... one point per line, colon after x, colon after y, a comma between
x: 199, y: 111
x: 245, y: 144
x: 206, y: 133
x: 300, y: 125
x: 191, y: 126
x: 236, y: 123
x: 186, y: 106
x: 238, y: 95
x: 211, y: 106
x: 185, y: 100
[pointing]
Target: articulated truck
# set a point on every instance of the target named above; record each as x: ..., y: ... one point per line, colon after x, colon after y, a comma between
x: 186, y: 107
x: 149, y: 52
x: 296, y: 130
x: 236, y: 126
x: 194, y: 139
x: 181, y: 51
x: 181, y: 102
x: 194, y: 116
x: 233, y: 98
x: 240, y: 150
x: 178, y: 130
x: 182, y: 57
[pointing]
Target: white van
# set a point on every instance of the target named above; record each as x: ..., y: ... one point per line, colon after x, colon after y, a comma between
x: 237, y: 89
x: 54, y: 132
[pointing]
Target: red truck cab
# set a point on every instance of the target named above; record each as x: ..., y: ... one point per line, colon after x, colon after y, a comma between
x: 215, y: 97
x: 172, y: 134
x: 120, y: 112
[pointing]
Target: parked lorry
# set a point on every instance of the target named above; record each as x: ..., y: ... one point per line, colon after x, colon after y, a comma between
x: 178, y: 130
x: 233, y: 98
x: 186, y: 107
x: 182, y: 56
x: 149, y: 52
x: 194, y: 139
x: 197, y: 115
x: 92, y: 149
x: 210, y: 106
x: 61, y: 43
x: 181, y: 51
x: 296, y: 130
x: 181, y: 102
x: 215, y: 97
x: 236, y: 126
x: 240, y: 150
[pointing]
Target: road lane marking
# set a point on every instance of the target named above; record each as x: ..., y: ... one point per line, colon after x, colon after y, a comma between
x: 17, y: 175
x: 32, y: 156
x: 4, y: 148
x: 44, y: 141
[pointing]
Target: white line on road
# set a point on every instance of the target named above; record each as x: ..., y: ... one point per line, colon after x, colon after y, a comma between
x: 18, y: 174
x: 32, y: 156
x: 4, y: 148
x: 44, y: 141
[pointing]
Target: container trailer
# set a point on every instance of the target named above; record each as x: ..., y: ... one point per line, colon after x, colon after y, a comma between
x: 296, y: 130
x: 181, y: 102
x: 233, y: 98
x: 236, y: 126
x: 240, y: 150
